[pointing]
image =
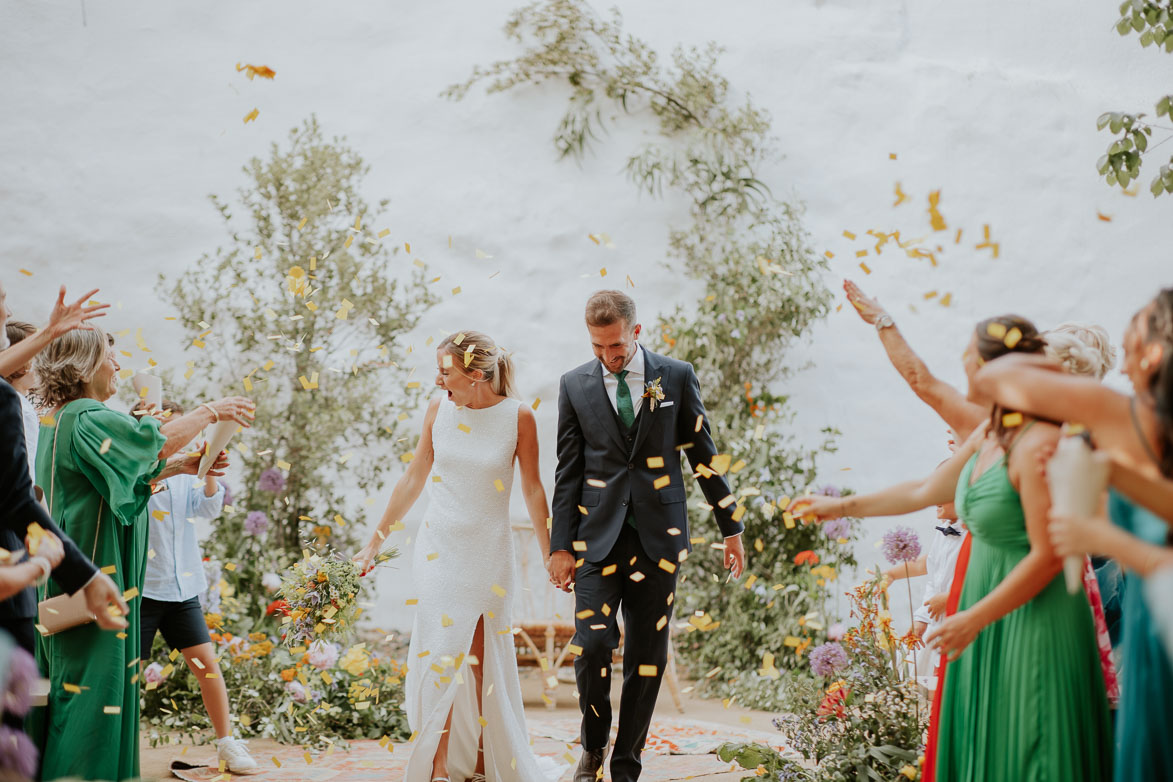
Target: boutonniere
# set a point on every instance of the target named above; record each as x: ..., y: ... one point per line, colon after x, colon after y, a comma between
x: 653, y: 393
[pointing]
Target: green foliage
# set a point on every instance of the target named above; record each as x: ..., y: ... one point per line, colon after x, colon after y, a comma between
x: 1152, y: 22
x: 304, y: 311
x: 762, y: 292
x: 764, y: 761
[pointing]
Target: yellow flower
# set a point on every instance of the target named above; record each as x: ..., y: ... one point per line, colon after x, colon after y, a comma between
x: 356, y: 661
x: 214, y: 621
x: 909, y: 771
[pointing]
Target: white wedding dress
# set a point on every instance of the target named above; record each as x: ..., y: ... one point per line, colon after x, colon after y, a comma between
x: 464, y: 568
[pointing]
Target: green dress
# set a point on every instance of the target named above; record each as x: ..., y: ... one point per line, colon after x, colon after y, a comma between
x: 1144, y: 722
x: 1026, y: 700
x: 94, y: 733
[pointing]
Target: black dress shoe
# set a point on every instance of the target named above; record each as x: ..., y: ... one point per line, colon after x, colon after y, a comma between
x: 589, y: 765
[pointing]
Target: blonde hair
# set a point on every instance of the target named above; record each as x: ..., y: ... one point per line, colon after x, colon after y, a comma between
x: 18, y: 331
x: 472, y: 350
x: 1082, y: 349
x: 68, y: 364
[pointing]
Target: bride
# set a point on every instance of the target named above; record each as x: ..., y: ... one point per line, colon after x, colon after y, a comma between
x: 462, y: 672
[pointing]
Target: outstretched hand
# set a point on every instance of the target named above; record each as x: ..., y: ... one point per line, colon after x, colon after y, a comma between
x: 816, y: 508
x: 868, y: 308
x: 67, y: 317
x: 560, y: 566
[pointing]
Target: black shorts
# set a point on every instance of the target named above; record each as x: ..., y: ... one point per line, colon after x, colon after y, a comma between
x: 182, y: 624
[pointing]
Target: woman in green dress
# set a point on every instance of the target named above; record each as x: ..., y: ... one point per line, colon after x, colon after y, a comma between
x: 97, y: 466
x: 1137, y: 432
x: 1024, y: 696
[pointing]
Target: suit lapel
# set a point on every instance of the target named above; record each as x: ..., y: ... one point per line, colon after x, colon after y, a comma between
x: 596, y: 394
x: 654, y: 368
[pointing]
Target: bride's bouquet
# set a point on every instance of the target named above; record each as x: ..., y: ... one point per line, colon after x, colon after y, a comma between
x: 321, y: 596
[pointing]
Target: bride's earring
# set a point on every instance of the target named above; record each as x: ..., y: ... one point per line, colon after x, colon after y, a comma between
x: 1144, y: 363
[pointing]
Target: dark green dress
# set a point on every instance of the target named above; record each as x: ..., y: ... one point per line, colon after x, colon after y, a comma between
x: 93, y: 733
x: 1026, y: 700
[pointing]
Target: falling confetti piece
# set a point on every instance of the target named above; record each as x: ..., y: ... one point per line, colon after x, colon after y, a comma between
x: 252, y: 71
x: 252, y: 115
x: 1011, y: 420
x: 901, y: 196
x: 1104, y: 217
x: 849, y: 235
x: 865, y: 267
x: 935, y: 217
x: 26, y: 272
x: 891, y: 155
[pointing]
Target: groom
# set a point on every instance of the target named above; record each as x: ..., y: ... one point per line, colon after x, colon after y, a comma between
x: 620, y: 523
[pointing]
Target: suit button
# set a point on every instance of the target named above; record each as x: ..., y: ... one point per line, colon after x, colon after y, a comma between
x: 630, y: 466
x: 625, y: 502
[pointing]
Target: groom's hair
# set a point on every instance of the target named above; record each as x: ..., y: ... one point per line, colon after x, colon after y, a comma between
x: 606, y: 307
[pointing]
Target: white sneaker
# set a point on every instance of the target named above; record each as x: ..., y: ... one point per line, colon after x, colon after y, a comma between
x: 235, y: 755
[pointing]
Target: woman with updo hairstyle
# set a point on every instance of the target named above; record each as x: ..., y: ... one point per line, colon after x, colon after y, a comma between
x: 96, y: 466
x: 464, y: 569
x: 1081, y: 349
x: 1023, y: 696
x: 1136, y: 430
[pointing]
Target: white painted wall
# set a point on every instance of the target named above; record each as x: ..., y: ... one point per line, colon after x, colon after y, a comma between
x: 119, y: 120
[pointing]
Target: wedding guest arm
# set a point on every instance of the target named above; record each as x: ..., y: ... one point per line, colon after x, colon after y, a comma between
x: 917, y: 567
x: 567, y: 490
x: 1155, y: 494
x: 1071, y: 536
x: 182, y: 430
x: 531, y: 478
x: 1034, y: 571
x: 699, y: 449
x: 407, y: 490
x: 65, y: 317
x: 189, y: 464
x: 937, y: 488
x: 950, y: 404
x: 46, y: 552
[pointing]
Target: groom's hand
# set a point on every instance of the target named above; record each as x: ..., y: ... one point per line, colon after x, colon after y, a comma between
x: 561, y: 569
x: 734, y: 555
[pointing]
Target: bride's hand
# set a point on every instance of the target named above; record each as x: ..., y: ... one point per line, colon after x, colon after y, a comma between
x: 561, y: 569
x: 366, y: 557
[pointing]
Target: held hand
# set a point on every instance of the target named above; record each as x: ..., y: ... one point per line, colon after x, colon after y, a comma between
x: 816, y: 508
x: 365, y: 559
x: 46, y: 545
x: 67, y: 317
x: 868, y: 308
x: 936, y: 605
x: 106, y: 603
x: 190, y: 462
x: 1072, y: 536
x: 240, y: 409
x: 954, y: 634
x: 561, y: 569
x: 734, y: 556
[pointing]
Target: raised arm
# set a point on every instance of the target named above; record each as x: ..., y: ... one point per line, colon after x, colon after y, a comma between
x: 937, y: 488
x: 407, y: 490
x: 65, y: 317
x: 1034, y: 571
x: 531, y: 477
x: 950, y: 404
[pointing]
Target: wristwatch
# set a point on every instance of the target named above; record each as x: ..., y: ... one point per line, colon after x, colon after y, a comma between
x: 884, y: 321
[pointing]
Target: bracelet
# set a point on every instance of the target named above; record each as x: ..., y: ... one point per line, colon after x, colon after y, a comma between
x: 884, y: 321
x: 212, y: 410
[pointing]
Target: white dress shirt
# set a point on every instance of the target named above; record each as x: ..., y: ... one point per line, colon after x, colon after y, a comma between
x: 634, y: 380
x: 939, y: 564
x: 176, y: 572
x: 32, y: 432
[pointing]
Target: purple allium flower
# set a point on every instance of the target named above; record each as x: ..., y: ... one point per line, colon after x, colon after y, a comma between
x: 22, y: 672
x: 837, y: 528
x: 830, y: 491
x: 256, y: 523
x: 153, y: 674
x: 17, y: 752
x: 836, y: 631
x: 322, y: 655
x: 227, y: 491
x: 827, y: 659
x: 271, y: 480
x: 901, y: 545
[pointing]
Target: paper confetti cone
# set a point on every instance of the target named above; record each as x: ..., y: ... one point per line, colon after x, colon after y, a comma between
x: 1077, y: 477
x: 217, y: 440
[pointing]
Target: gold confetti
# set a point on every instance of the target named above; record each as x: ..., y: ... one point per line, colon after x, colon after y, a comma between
x: 661, y: 482
x: 1104, y: 217
x: 579, y: 545
x: 648, y: 670
x: 865, y: 267
x: 996, y: 330
x: 609, y: 569
x: 849, y: 235
x: 26, y: 272
x: 655, y: 462
x: 499, y: 485
x: 1011, y: 420
x: 252, y: 115
x: 498, y: 590
x: 111, y: 709
x: 667, y: 566
x: 901, y: 196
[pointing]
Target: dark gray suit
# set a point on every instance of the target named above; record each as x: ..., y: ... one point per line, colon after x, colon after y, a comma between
x: 603, y: 472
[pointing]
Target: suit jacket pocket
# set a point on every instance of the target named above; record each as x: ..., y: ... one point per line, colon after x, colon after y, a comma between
x: 672, y: 494
x: 590, y: 497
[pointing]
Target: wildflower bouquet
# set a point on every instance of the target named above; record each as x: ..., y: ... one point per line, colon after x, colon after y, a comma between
x: 321, y: 597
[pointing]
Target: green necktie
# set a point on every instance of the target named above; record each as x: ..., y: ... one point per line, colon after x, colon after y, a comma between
x: 627, y: 416
x: 623, y: 400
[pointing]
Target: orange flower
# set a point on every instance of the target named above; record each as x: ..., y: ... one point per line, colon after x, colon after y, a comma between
x: 806, y: 558
x: 288, y: 674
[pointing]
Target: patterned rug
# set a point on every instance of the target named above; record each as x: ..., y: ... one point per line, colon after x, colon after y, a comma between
x: 677, y: 749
